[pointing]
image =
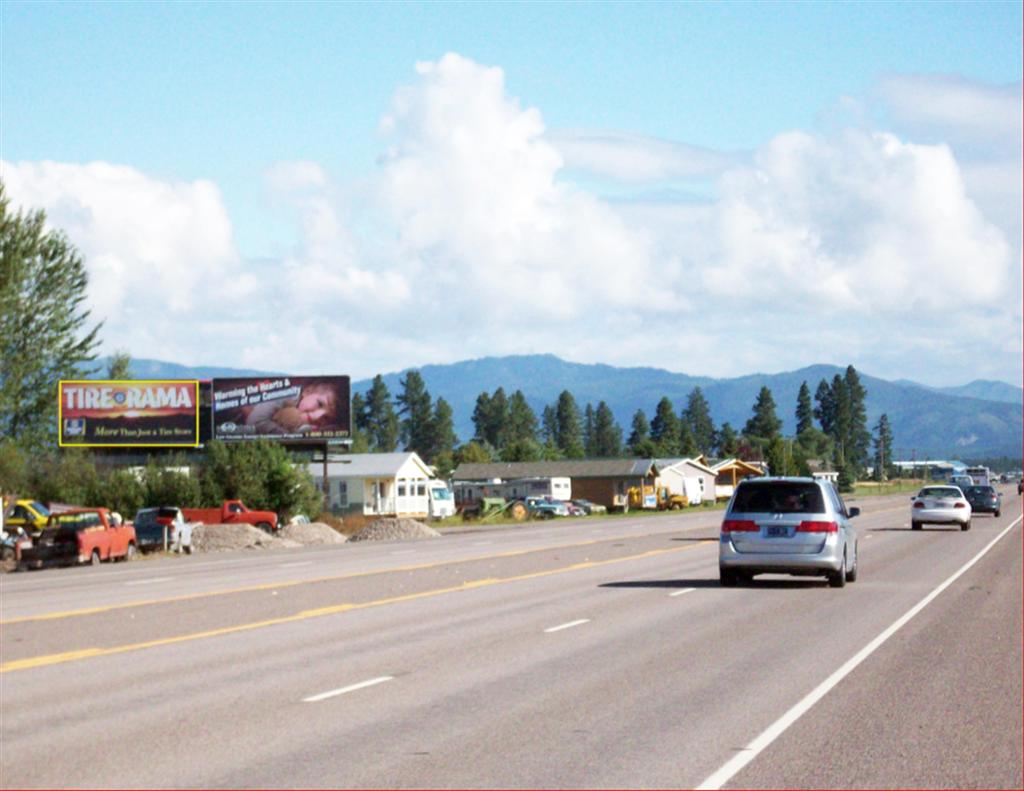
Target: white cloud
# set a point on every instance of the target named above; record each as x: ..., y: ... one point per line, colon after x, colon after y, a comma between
x: 468, y: 239
x: 633, y: 158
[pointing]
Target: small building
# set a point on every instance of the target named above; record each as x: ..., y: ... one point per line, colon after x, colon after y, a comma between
x: 690, y: 477
x: 730, y: 472
x: 603, y: 481
x: 376, y: 484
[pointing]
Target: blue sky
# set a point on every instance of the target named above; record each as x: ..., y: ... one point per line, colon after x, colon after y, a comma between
x: 655, y: 121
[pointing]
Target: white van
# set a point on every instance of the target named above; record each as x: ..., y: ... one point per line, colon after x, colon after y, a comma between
x: 440, y: 500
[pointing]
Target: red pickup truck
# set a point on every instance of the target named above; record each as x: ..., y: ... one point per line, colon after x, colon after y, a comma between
x: 232, y: 512
x: 82, y: 535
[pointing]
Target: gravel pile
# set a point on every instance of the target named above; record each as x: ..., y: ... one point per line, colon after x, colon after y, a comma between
x: 394, y: 529
x: 313, y: 533
x: 221, y: 538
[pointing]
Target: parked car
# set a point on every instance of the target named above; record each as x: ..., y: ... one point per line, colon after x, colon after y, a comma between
x: 84, y: 535
x: 984, y: 500
x: 12, y: 543
x: 151, y: 523
x: 541, y: 508
x: 798, y: 526
x: 940, y: 505
x: 28, y: 514
x: 233, y: 512
x: 590, y: 507
x: 573, y: 509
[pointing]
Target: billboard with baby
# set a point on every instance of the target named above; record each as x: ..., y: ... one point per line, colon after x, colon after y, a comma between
x: 290, y: 408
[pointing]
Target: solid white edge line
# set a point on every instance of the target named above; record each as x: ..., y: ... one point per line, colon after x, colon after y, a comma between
x: 335, y: 692
x: 684, y: 590
x: 777, y: 728
x: 149, y: 581
x: 567, y: 625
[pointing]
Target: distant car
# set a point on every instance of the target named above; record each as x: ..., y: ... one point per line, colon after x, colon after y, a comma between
x: 798, y: 526
x: 984, y: 500
x: 590, y: 507
x: 541, y: 508
x: 940, y: 505
x: 573, y: 509
x: 150, y: 524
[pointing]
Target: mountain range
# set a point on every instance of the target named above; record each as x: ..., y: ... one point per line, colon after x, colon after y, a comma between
x: 977, y: 420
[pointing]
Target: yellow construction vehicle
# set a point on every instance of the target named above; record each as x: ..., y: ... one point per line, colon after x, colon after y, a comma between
x: 652, y: 498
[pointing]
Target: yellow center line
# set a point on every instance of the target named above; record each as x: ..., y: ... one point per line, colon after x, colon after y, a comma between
x: 88, y: 653
x: 293, y: 583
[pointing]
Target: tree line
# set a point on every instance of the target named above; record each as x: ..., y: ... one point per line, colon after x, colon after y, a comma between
x: 831, y: 427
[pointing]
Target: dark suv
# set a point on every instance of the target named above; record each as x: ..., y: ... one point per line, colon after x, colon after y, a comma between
x: 983, y: 499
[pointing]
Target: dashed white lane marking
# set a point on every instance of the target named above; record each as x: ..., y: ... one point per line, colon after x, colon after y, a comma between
x: 149, y: 581
x: 295, y: 563
x: 343, y: 690
x: 567, y: 625
x: 681, y: 592
x: 777, y: 728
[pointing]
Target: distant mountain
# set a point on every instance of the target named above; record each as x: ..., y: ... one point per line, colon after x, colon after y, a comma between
x: 946, y: 422
x: 142, y: 368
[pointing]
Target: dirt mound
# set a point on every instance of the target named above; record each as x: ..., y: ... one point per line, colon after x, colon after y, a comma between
x: 394, y: 530
x: 312, y: 533
x: 221, y: 538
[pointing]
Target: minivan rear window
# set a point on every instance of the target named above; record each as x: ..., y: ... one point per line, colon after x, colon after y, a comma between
x: 779, y: 497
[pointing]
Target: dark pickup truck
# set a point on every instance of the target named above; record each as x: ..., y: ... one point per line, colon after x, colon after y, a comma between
x: 163, y: 528
x: 83, y: 535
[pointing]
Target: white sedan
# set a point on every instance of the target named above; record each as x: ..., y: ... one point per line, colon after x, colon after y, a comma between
x: 940, y: 505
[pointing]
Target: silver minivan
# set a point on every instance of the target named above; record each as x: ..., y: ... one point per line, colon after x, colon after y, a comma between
x: 795, y: 526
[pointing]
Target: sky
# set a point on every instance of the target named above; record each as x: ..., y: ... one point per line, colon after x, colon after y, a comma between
x: 711, y: 188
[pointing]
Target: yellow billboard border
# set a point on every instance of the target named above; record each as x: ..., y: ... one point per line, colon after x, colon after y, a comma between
x: 60, y: 412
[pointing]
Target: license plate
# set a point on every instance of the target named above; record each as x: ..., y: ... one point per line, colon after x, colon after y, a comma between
x: 776, y: 531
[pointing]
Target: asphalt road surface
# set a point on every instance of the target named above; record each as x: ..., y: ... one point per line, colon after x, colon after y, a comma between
x: 595, y: 653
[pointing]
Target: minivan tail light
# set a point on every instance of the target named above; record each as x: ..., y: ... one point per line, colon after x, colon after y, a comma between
x: 919, y: 504
x: 739, y: 526
x: 817, y: 527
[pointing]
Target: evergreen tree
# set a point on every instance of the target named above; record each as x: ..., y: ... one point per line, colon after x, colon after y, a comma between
x: 119, y: 366
x: 491, y: 417
x: 764, y: 424
x: 381, y: 421
x: 549, y: 426
x: 665, y: 429
x: 416, y: 412
x: 859, y: 441
x: 639, y: 438
x: 687, y: 445
x: 522, y: 422
x: 522, y: 450
x: 44, y: 335
x: 568, y: 437
x: 728, y: 442
x: 883, y: 448
x: 588, y: 432
x: 360, y: 437
x: 472, y: 453
x: 440, y: 434
x: 826, y: 409
x: 776, y: 458
x: 698, y: 417
x: 804, y: 410
x: 607, y: 433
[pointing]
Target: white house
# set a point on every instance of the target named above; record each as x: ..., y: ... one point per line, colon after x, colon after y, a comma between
x: 379, y: 484
x: 688, y: 477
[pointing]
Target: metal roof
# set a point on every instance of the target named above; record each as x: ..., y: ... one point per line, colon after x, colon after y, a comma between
x: 368, y: 465
x: 563, y: 468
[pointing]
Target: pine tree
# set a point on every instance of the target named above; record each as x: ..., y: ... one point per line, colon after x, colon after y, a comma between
x: 764, y: 424
x: 698, y: 416
x: 568, y: 437
x: 804, y: 410
x: 728, y: 442
x: 826, y: 409
x: 549, y: 427
x: 44, y: 335
x: 883, y: 448
x: 416, y: 411
x: 639, y: 437
x: 119, y: 366
x: 381, y: 421
x: 440, y: 435
x: 491, y: 418
x: 360, y: 438
x: 859, y: 441
x: 607, y: 433
x: 665, y: 429
x: 589, y: 440
x: 522, y: 422
x: 687, y: 445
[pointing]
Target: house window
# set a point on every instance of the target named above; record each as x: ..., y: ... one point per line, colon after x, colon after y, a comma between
x: 401, y: 488
x: 421, y: 489
x: 343, y: 494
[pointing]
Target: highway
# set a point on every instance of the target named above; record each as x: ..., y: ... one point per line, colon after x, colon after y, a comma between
x: 580, y: 653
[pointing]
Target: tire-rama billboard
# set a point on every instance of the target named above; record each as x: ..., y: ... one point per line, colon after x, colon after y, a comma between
x: 294, y: 408
x: 140, y: 413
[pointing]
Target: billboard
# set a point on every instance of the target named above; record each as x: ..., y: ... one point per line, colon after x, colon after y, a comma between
x: 131, y: 413
x: 296, y: 408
